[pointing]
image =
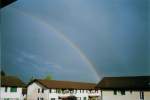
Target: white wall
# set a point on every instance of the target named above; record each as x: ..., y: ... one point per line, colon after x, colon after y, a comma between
x: 12, y: 95
x: 135, y: 95
x: 32, y: 93
x: 147, y: 95
x: 76, y: 94
x: 56, y: 95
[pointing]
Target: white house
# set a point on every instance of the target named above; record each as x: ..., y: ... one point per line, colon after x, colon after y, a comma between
x: 63, y: 90
x: 125, y: 88
x: 11, y: 88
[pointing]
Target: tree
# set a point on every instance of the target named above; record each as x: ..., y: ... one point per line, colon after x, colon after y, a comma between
x: 3, y: 73
x: 48, y: 77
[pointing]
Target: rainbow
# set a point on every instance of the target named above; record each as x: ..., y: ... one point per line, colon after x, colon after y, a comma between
x: 61, y: 35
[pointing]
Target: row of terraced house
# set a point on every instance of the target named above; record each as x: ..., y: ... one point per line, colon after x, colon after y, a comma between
x: 109, y: 88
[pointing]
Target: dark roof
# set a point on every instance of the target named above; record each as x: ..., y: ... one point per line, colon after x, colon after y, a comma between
x: 4, y: 3
x: 11, y: 81
x: 64, y: 84
x: 125, y: 83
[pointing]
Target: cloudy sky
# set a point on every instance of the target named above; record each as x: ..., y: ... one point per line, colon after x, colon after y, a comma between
x: 78, y: 40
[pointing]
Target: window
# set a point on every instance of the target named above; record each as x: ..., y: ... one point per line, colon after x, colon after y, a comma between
x: 13, y: 89
x: 5, y: 89
x: 96, y: 91
x: 53, y: 90
x: 38, y: 98
x: 58, y: 90
x: 63, y: 91
x: 90, y: 91
x: 52, y: 98
x: 84, y: 98
x: 71, y: 91
x: 50, y: 91
x: 78, y: 98
x: 142, y: 95
x: 82, y: 91
x: 6, y: 99
x: 130, y: 91
x: 122, y: 92
x: 42, y: 90
x: 115, y: 92
x: 75, y: 91
x: 42, y: 99
x: 38, y: 90
x: 87, y: 91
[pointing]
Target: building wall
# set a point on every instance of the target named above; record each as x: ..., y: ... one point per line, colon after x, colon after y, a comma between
x: 32, y: 93
x: 134, y: 95
x: 11, y: 95
x: 109, y: 95
x: 147, y: 95
x: 80, y: 94
x: 55, y: 95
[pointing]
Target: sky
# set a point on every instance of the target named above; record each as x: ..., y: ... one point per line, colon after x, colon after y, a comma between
x: 76, y: 40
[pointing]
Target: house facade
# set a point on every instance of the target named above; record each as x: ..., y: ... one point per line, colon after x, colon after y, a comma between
x: 61, y: 90
x: 128, y: 95
x: 11, y: 88
x: 125, y: 88
x: 109, y: 88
